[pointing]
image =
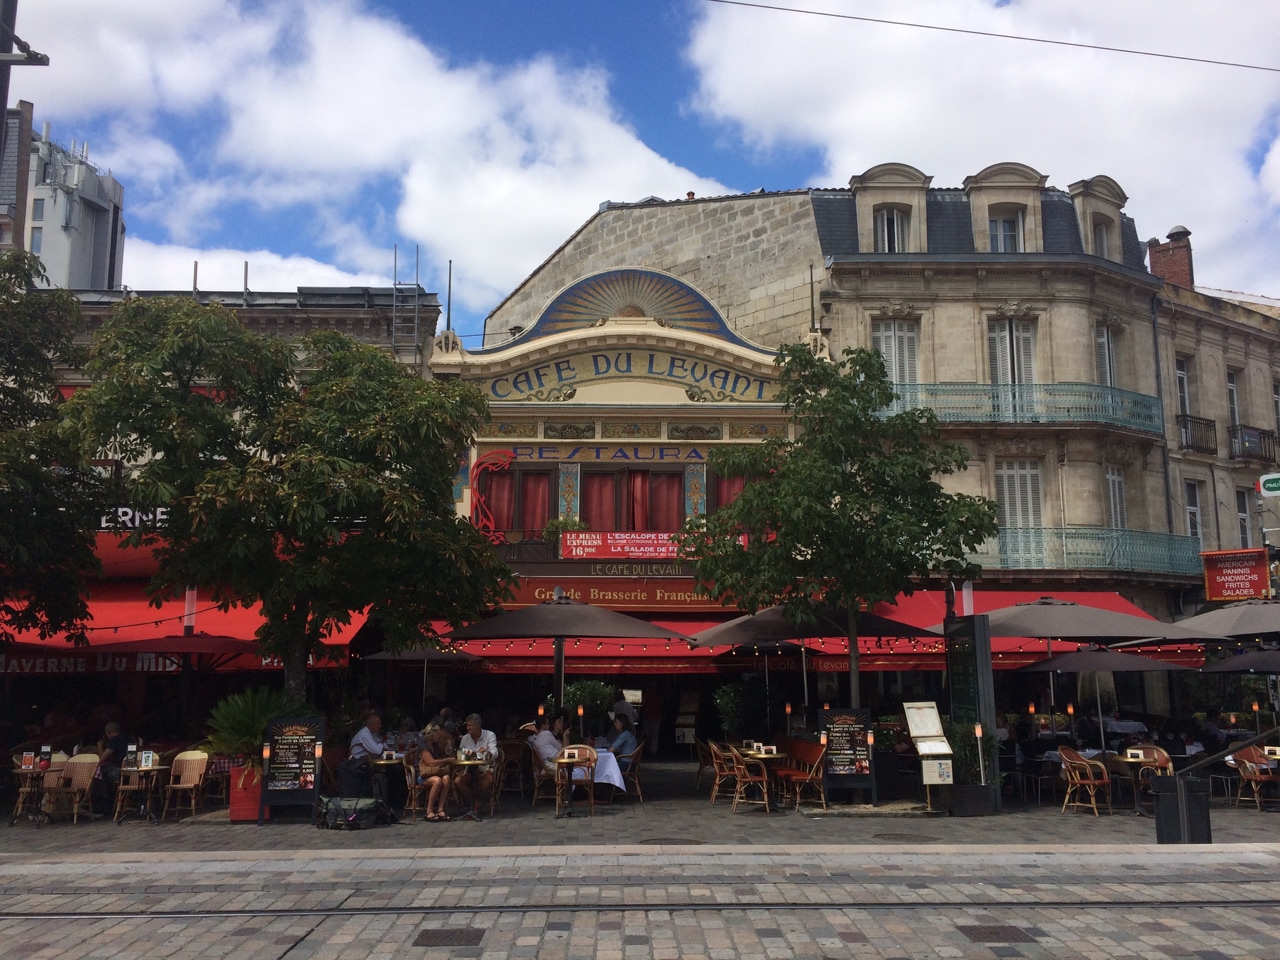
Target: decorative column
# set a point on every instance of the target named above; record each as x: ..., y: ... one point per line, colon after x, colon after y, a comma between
x: 570, y: 474
x: 695, y: 489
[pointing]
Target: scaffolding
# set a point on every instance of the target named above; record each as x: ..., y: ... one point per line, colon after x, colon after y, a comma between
x: 405, y: 332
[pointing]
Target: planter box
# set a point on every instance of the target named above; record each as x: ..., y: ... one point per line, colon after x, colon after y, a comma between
x: 973, y: 800
x: 243, y: 800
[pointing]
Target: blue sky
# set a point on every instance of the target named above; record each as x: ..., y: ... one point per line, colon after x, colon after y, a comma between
x: 310, y: 136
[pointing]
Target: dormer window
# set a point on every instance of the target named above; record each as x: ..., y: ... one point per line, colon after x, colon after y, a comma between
x: 1005, y: 226
x: 891, y: 230
x: 1100, y: 238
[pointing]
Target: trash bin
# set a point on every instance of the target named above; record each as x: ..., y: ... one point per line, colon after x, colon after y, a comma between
x: 1164, y: 791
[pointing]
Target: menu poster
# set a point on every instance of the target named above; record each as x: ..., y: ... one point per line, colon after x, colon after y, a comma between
x: 130, y: 761
x: 147, y: 759
x: 292, y: 750
x: 849, y: 756
x: 29, y: 760
x: 46, y: 757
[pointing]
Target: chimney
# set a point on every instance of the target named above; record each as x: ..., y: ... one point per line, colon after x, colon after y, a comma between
x: 1171, y: 261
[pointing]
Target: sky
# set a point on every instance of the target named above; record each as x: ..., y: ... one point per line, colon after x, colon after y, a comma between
x: 323, y: 141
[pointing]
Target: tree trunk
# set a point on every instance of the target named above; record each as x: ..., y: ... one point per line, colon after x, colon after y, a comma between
x: 855, y: 687
x: 295, y: 672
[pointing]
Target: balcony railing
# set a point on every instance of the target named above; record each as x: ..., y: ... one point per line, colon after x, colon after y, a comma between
x: 1197, y: 433
x: 1090, y: 548
x: 1033, y: 403
x: 1252, y: 443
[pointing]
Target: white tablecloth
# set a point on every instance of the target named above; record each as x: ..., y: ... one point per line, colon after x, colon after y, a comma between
x: 607, y: 770
x: 1124, y: 726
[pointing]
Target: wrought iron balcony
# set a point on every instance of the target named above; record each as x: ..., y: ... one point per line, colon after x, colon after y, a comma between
x: 1252, y: 443
x: 1090, y: 548
x: 1033, y: 403
x: 1197, y: 433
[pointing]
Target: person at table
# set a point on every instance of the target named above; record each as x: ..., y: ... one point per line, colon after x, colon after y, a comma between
x: 546, y: 743
x: 624, y: 741
x: 624, y: 707
x: 433, y: 770
x: 408, y: 741
x: 368, y: 741
x: 111, y: 750
x: 476, y: 744
x: 1211, y: 734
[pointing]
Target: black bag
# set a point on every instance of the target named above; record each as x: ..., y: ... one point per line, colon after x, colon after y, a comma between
x: 354, y: 778
x: 347, y: 813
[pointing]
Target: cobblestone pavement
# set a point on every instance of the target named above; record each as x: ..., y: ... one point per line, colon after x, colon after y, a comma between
x: 674, y: 877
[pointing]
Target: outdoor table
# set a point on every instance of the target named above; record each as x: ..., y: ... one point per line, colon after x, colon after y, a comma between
x: 147, y: 782
x: 765, y: 758
x: 607, y: 770
x: 564, y: 784
x: 1124, y: 726
x: 1130, y: 767
x: 474, y: 812
x: 394, y: 790
x: 32, y: 781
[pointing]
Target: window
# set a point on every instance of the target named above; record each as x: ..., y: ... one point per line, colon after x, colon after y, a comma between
x: 1242, y: 519
x: 519, y: 501
x: 1182, y: 369
x: 724, y: 490
x: 1194, y: 526
x: 37, y: 209
x: 1018, y: 511
x: 1100, y: 238
x: 896, y: 341
x: 633, y: 500
x: 891, y: 230
x: 1117, y: 512
x: 1006, y: 232
x: 37, y: 240
x: 1011, y: 349
x: 1233, y: 399
x: 1104, y: 349
x: 1275, y: 403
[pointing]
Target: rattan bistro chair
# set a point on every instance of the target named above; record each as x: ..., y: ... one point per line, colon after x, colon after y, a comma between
x: 1255, y: 772
x: 76, y: 782
x: 722, y: 764
x: 746, y: 774
x: 186, y: 775
x: 1084, y: 777
x: 631, y: 772
x: 544, y: 780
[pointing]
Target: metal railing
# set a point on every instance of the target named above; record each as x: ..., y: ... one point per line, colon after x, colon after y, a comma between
x: 1033, y: 403
x: 1197, y: 433
x: 1090, y: 548
x: 1252, y: 443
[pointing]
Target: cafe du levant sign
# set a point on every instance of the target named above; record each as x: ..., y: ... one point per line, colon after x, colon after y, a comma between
x: 702, y: 379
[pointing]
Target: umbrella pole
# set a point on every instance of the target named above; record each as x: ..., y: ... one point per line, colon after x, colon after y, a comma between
x: 804, y: 676
x: 1053, y: 706
x: 768, y: 713
x: 1102, y: 730
x: 424, y: 689
x: 558, y: 679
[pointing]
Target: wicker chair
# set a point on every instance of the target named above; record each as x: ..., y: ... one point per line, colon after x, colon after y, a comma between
x: 1084, y: 777
x: 510, y: 772
x: 1255, y: 773
x: 415, y: 797
x: 631, y: 772
x: 134, y: 788
x: 186, y: 775
x: 704, y: 760
x: 75, y: 784
x: 723, y: 767
x: 748, y: 773
x: 566, y: 781
x: 544, y: 780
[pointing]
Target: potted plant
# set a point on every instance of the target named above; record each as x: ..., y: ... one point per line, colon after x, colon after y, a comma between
x: 236, y: 727
x: 557, y: 525
x: 596, y: 699
x: 970, y: 797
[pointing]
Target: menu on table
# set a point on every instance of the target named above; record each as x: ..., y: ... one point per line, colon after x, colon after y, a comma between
x: 29, y: 760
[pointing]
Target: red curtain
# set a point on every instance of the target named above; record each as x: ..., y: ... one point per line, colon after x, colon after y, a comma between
x: 500, y: 497
x: 638, y: 500
x: 597, y: 509
x: 727, y: 490
x: 666, y: 502
x: 535, y: 501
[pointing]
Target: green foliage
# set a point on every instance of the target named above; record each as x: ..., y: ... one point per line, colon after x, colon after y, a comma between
x: 314, y: 477
x: 237, y: 722
x: 597, y: 699
x: 731, y: 704
x: 50, y: 498
x: 557, y: 525
x: 965, y: 752
x: 850, y: 510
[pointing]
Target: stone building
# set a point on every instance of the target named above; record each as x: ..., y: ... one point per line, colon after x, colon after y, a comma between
x: 1024, y: 314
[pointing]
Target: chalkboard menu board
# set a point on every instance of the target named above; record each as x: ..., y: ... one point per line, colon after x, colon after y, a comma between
x: 849, y: 754
x: 291, y: 754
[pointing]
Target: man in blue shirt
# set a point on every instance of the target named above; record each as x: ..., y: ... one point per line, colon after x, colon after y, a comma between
x: 367, y: 742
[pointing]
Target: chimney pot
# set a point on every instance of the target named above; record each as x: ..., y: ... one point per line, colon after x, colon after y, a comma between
x: 1179, y: 232
x: 1171, y: 261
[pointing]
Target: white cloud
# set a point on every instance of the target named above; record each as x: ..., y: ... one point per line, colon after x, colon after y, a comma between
x: 344, y: 124
x: 1175, y: 135
x: 154, y: 266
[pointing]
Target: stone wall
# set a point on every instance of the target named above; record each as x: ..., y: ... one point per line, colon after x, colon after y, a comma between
x: 749, y: 255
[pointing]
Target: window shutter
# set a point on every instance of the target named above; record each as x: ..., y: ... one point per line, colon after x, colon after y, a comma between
x: 1025, y: 351
x: 882, y: 231
x: 1117, y: 513
x: 1103, y: 353
x: 910, y: 336
x: 998, y: 351
x: 1018, y: 493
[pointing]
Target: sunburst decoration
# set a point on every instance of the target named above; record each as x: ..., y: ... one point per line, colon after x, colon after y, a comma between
x: 633, y: 292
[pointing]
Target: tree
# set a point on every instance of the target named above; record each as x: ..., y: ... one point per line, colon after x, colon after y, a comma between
x: 847, y: 512
x: 317, y: 481
x: 50, y: 500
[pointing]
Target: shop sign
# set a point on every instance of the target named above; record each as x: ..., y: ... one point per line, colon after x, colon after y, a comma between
x: 1236, y: 574
x: 59, y: 662
x: 607, y: 453
x: 709, y: 380
x: 617, y: 593
x: 131, y: 518
x: 582, y: 545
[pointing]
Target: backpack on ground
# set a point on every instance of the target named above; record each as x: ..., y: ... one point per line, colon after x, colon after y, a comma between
x: 352, y: 813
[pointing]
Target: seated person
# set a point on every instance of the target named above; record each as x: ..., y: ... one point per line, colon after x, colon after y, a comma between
x: 433, y: 770
x: 624, y: 742
x: 476, y: 744
x: 1211, y: 734
x: 111, y: 750
x: 368, y: 741
x: 546, y: 743
x: 355, y: 776
x: 407, y: 741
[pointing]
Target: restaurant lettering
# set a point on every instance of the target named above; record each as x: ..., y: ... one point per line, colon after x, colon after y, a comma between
x: 617, y: 593
x: 577, y: 544
x: 609, y: 453
x: 130, y: 518
x: 722, y: 382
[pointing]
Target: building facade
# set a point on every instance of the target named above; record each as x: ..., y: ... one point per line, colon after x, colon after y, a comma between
x: 1023, y: 314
